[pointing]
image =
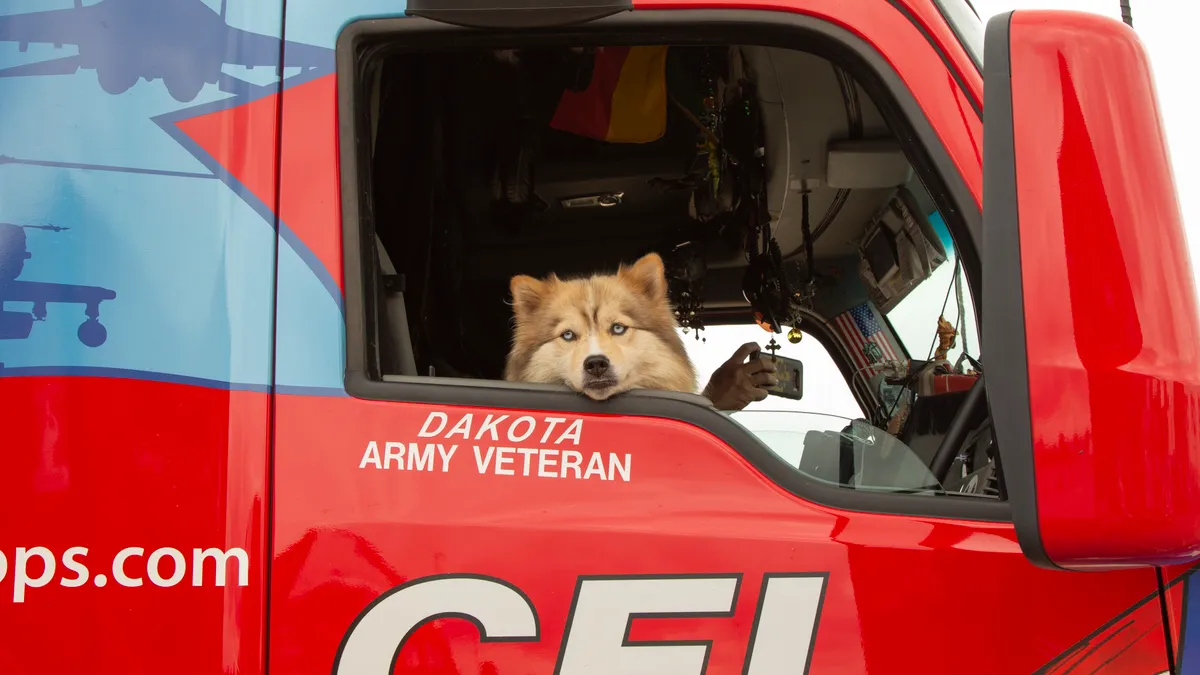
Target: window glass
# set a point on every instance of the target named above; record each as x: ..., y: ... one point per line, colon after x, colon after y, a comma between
x: 840, y: 451
x: 825, y: 390
x: 915, y: 318
x: 823, y: 435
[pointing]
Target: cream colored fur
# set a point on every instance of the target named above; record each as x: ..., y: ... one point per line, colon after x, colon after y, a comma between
x: 625, y: 317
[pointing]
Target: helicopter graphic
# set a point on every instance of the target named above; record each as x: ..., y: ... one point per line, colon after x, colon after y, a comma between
x: 185, y: 43
x: 14, y: 252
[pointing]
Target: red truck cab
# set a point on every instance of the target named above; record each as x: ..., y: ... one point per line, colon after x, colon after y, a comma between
x: 254, y: 262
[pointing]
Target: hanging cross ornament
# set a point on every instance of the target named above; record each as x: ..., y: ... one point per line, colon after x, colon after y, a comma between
x: 773, y: 346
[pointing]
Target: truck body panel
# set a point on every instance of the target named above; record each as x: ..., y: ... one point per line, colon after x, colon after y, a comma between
x: 242, y: 513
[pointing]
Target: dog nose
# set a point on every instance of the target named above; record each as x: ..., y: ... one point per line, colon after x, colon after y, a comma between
x: 596, y: 365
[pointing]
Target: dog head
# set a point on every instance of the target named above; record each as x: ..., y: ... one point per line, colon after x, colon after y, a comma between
x: 599, y: 335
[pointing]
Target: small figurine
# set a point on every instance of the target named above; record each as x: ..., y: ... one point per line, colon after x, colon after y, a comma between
x: 947, y: 337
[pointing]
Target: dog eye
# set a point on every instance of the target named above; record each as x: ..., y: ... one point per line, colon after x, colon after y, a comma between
x: 568, y: 335
x: 618, y: 329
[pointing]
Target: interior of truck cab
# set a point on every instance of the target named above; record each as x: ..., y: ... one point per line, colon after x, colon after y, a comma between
x: 779, y: 189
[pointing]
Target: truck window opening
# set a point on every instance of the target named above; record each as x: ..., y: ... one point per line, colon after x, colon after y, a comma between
x: 569, y: 159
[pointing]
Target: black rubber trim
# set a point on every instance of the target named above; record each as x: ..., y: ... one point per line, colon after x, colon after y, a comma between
x: 954, y: 28
x: 767, y: 28
x: 1184, y: 617
x: 516, y: 14
x: 1004, y: 322
x: 1164, y: 600
x: 273, y: 405
x: 976, y: 105
x: 508, y: 14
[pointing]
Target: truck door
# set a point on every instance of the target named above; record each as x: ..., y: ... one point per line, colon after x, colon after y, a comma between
x: 433, y: 524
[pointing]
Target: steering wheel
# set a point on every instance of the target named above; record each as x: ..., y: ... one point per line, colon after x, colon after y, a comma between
x: 969, y: 416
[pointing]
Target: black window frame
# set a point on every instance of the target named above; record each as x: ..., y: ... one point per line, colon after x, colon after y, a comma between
x: 819, y: 329
x: 362, y: 280
x: 957, y: 14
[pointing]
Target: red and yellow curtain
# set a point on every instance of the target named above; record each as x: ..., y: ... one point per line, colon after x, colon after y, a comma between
x: 626, y: 101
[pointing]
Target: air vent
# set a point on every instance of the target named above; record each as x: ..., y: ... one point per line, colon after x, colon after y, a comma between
x: 991, y: 487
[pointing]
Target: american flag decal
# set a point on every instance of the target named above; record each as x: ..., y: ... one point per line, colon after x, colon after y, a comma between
x: 862, y: 331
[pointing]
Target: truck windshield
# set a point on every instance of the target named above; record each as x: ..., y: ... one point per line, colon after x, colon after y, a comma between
x: 943, y: 294
x: 966, y: 24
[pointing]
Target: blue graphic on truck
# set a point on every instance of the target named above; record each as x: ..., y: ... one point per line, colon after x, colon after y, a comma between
x: 18, y: 325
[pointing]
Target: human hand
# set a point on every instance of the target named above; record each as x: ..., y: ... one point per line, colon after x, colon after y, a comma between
x: 738, y: 381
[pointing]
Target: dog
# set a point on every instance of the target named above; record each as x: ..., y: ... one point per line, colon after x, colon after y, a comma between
x: 599, y: 335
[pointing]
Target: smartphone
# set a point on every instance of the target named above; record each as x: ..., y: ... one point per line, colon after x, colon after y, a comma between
x: 790, y: 375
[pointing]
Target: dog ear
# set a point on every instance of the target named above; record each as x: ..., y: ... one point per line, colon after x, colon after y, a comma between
x: 528, y: 293
x: 647, y: 276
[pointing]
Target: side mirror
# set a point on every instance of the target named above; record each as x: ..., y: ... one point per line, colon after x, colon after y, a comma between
x: 1090, y: 325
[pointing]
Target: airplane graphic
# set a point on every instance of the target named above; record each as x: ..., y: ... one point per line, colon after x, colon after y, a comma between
x: 14, y: 252
x: 184, y: 43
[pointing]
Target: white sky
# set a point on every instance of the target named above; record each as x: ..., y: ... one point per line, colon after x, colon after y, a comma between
x: 1166, y: 28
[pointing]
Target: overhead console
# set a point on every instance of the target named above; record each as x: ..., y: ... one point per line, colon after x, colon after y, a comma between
x: 864, y: 164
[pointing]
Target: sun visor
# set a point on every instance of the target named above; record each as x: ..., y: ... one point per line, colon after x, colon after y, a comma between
x: 866, y: 164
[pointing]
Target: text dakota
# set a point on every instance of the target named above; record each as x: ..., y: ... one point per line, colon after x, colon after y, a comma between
x: 437, y: 450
